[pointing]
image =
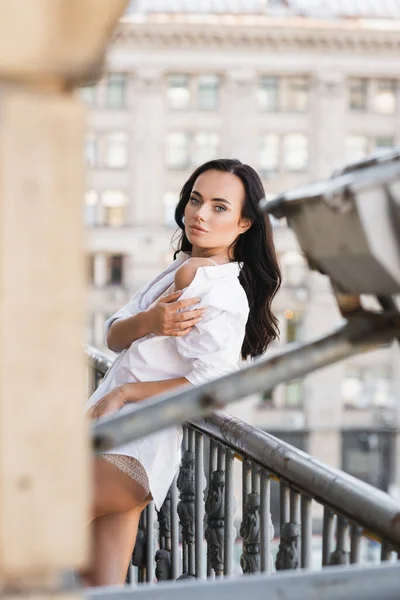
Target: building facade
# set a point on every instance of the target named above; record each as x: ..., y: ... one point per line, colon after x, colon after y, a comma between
x: 295, y: 93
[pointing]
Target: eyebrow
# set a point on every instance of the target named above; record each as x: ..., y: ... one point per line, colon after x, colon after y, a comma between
x: 213, y: 199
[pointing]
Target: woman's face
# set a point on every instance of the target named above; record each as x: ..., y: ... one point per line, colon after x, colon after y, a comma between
x: 213, y: 214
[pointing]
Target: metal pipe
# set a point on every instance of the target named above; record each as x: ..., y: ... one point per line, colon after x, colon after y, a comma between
x: 198, y: 506
x: 284, y: 496
x: 174, y: 531
x: 355, y: 543
x: 294, y: 506
x: 342, y: 529
x: 306, y: 532
x: 211, y: 468
x: 246, y: 482
x: 190, y: 443
x: 361, y: 333
x: 213, y: 458
x: 327, y: 536
x: 150, y: 543
x: 265, y: 522
x: 221, y: 458
x: 229, y: 513
x: 255, y: 479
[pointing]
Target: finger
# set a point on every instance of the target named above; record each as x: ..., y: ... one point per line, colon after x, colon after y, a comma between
x: 188, y: 315
x: 184, y: 332
x: 186, y: 324
x: 172, y: 297
x: 184, y: 303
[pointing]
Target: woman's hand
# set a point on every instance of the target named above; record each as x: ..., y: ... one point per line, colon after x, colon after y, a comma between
x: 109, y: 404
x: 163, y: 317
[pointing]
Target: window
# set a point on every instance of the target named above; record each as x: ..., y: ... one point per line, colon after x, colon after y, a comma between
x: 296, y: 94
x: 88, y: 94
x: 116, y: 150
x: 178, y: 92
x: 294, y: 269
x: 116, y: 90
x: 170, y: 202
x: 383, y: 144
x: 115, y: 269
x: 384, y: 97
x: 368, y: 455
x: 91, y: 204
x: 177, y: 150
x: 113, y: 202
x: 205, y: 147
x: 295, y: 152
x: 356, y: 148
x: 90, y: 268
x: 208, y: 88
x: 267, y: 94
x: 91, y: 150
x: 269, y: 153
x: 293, y: 394
x: 364, y: 386
x: 358, y: 94
x: 292, y: 325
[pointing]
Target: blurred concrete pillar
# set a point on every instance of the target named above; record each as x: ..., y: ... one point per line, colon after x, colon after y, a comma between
x: 329, y: 111
x: 148, y: 127
x: 238, y: 109
x: 46, y: 49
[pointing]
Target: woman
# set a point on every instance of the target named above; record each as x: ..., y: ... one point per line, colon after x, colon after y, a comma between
x: 189, y: 325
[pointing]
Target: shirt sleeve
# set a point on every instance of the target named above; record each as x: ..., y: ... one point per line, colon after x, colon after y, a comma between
x: 128, y: 310
x: 212, y: 347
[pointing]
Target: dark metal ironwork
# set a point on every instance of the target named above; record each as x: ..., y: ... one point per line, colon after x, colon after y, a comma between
x: 163, y: 565
x: 185, y: 483
x: 288, y: 553
x: 215, y: 510
x: 163, y: 555
x: 250, y: 532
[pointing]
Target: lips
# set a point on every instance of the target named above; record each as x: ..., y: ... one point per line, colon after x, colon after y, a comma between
x: 197, y: 228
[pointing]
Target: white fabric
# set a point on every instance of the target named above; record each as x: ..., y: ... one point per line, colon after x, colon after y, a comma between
x: 210, y: 350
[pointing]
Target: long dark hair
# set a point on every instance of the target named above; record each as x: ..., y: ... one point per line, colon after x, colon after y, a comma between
x: 260, y: 275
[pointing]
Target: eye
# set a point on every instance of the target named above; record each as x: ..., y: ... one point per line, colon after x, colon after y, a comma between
x: 220, y: 208
x: 194, y: 200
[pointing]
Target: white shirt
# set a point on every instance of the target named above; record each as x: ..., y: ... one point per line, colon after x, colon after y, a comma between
x: 210, y: 350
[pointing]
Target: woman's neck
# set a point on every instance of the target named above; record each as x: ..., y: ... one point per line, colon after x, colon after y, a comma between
x: 220, y: 255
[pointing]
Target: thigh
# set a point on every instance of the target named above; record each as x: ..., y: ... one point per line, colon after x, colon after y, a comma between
x: 113, y: 539
x: 114, y: 491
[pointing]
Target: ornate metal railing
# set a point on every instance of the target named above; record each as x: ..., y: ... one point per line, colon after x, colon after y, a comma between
x: 194, y: 535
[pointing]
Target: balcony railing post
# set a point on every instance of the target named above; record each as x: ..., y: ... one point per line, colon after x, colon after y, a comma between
x: 185, y: 483
x: 174, y: 531
x: 199, y: 505
x: 163, y: 555
x: 229, y: 513
x: 327, y: 536
x: 215, y: 513
x: 355, y: 543
x: 340, y: 556
x: 266, y: 527
x: 306, y: 532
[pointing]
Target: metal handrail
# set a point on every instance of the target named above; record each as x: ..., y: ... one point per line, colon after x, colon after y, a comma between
x: 348, y: 496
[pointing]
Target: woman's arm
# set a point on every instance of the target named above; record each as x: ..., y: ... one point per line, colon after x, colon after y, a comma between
x: 134, y: 392
x: 161, y: 318
x: 128, y: 393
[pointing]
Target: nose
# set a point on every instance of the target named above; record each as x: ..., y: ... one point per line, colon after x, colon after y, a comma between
x: 201, y: 213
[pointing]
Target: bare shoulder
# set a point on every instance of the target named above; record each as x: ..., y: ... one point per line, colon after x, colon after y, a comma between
x: 186, y: 272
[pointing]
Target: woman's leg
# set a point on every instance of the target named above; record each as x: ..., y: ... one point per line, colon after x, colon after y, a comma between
x: 118, y: 503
